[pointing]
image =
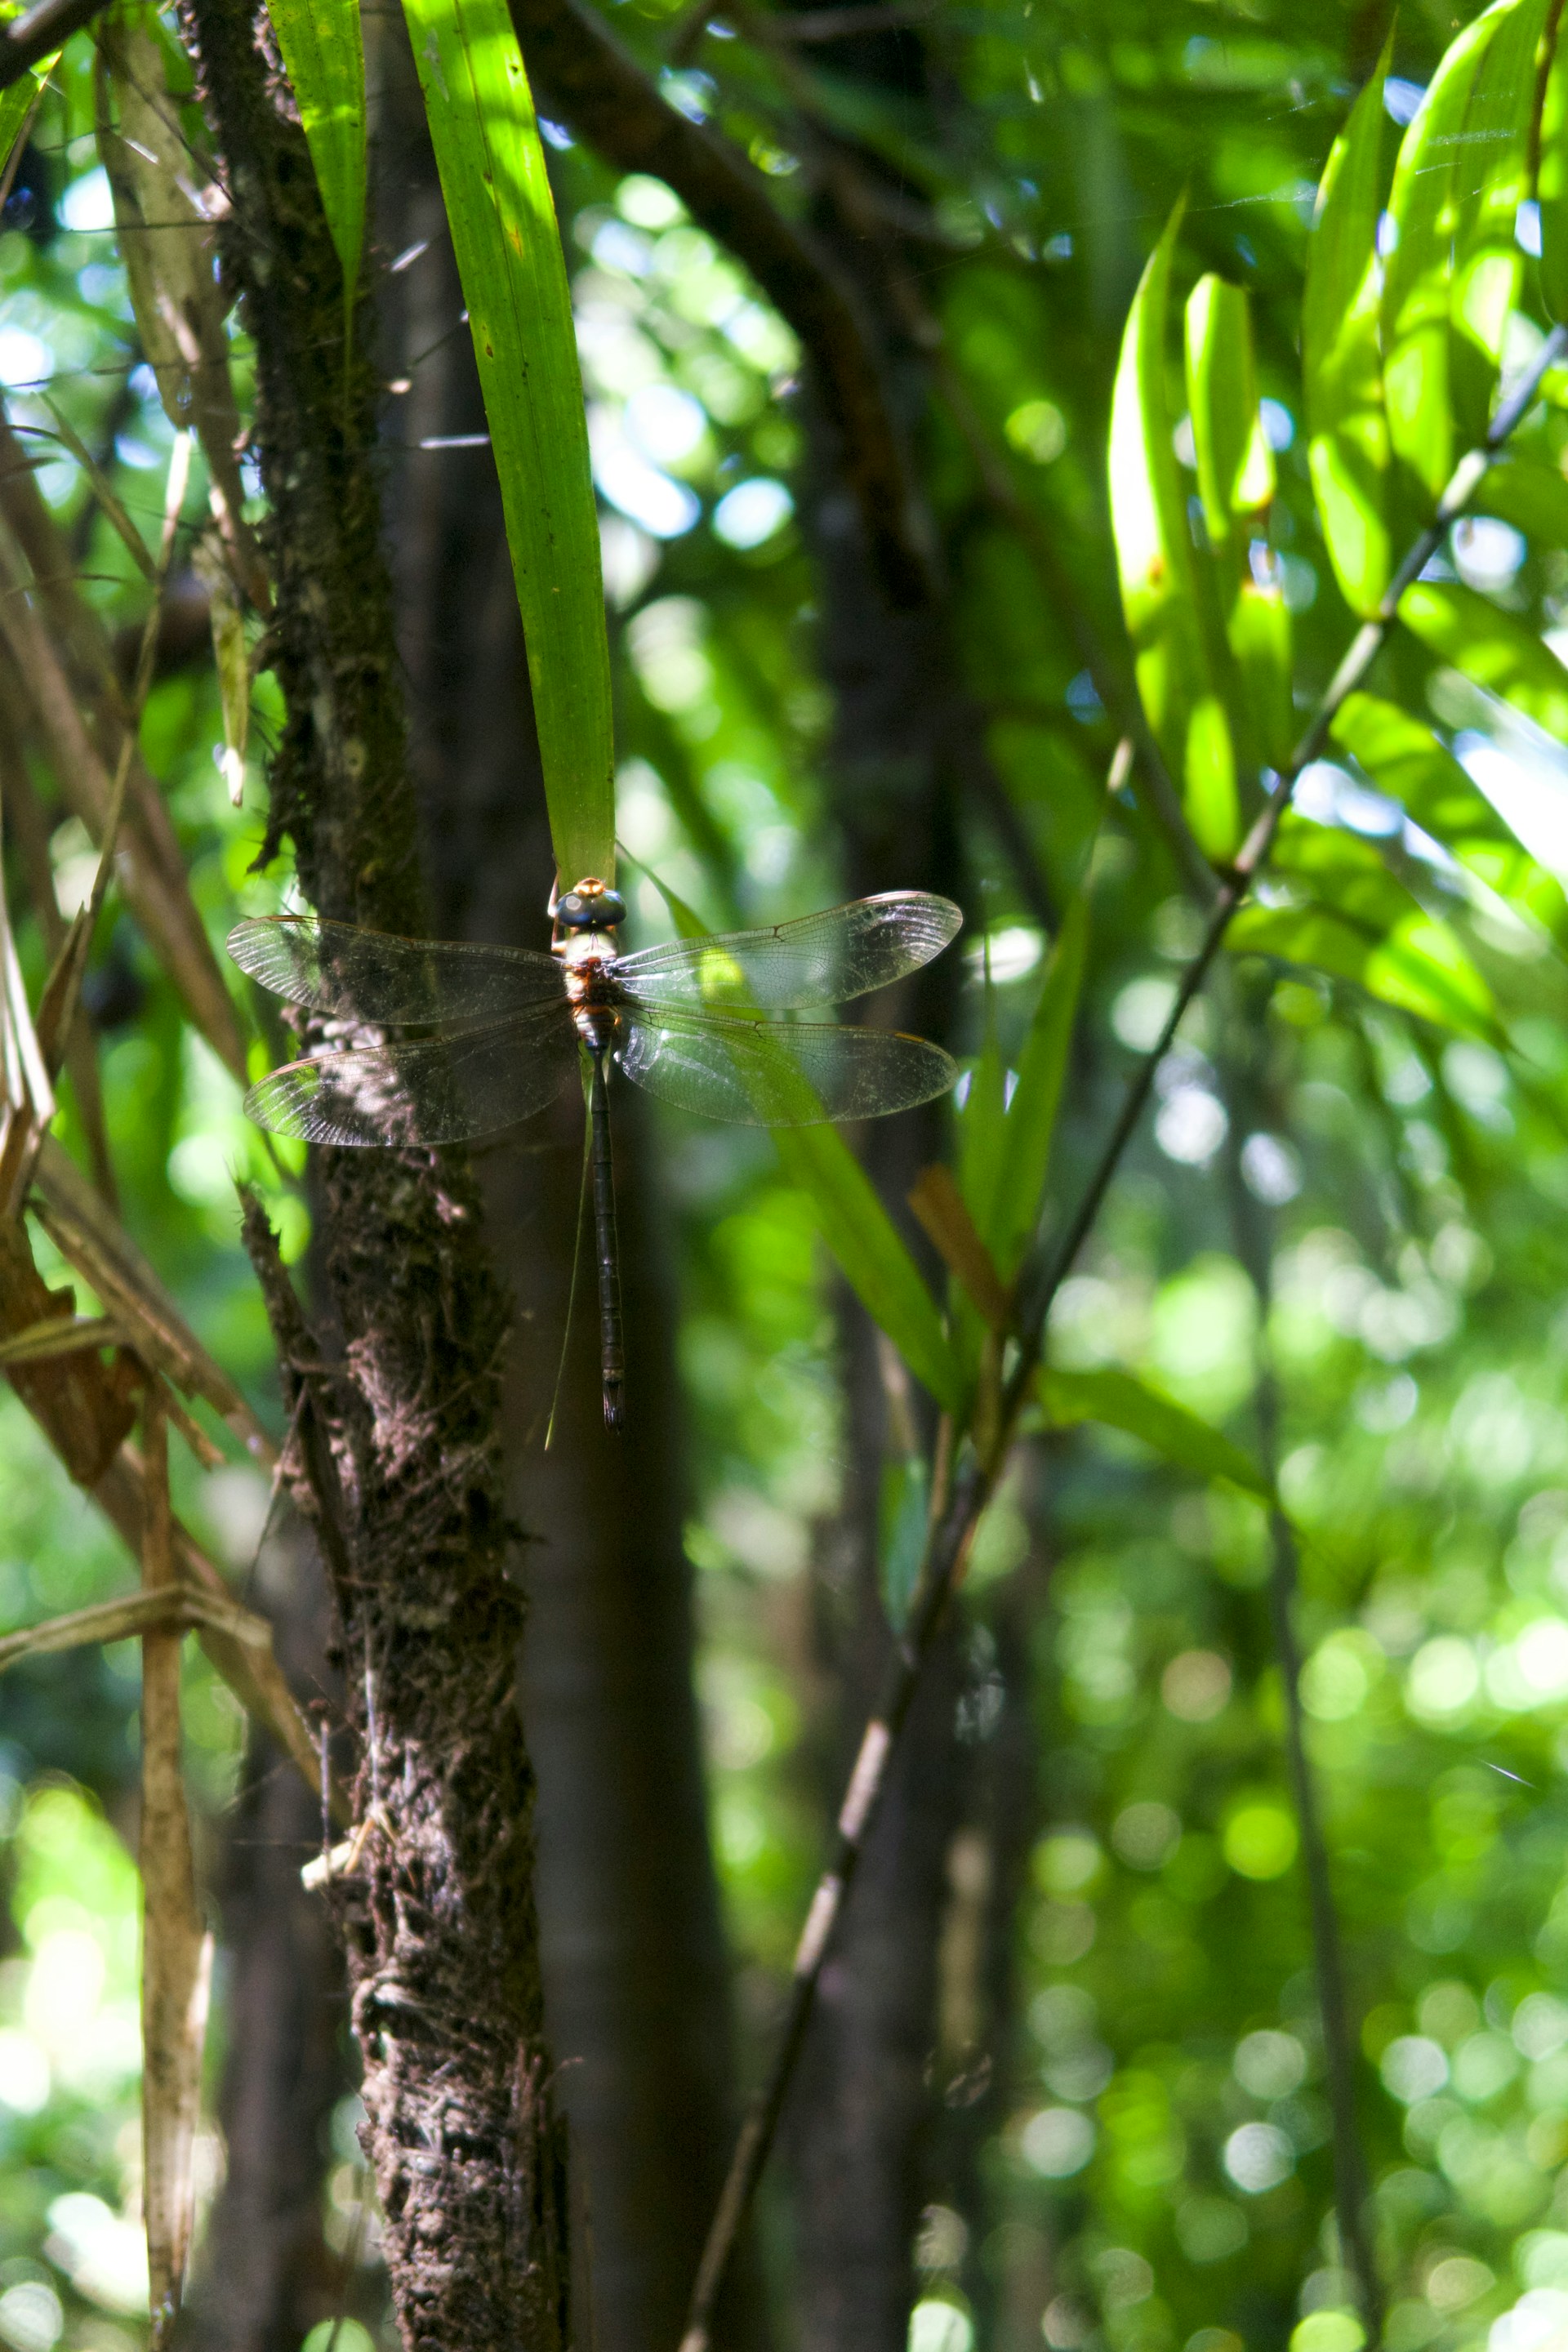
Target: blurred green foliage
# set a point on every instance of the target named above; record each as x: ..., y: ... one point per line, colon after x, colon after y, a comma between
x: 1156, y: 2168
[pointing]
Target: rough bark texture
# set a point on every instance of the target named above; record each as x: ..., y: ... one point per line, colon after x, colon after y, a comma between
x: 399, y: 1423
x: 266, y: 2275
x: 636, y: 1985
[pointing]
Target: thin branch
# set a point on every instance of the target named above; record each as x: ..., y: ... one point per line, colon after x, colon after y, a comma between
x: 948, y: 1544
x: 26, y: 40
x: 587, y: 79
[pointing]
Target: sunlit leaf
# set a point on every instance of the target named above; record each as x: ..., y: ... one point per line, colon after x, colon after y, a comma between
x: 1432, y: 188
x: 491, y: 163
x: 1490, y: 646
x: 1236, y: 483
x: 1495, y: 180
x: 1119, y: 1400
x: 1551, y: 184
x: 1531, y: 495
x: 323, y: 56
x: 1404, y: 759
x: 1354, y: 920
x: 1347, y: 443
x: 1160, y: 591
x: 1235, y: 463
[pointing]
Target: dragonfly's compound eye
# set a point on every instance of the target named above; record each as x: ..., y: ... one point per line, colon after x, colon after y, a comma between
x: 596, y: 909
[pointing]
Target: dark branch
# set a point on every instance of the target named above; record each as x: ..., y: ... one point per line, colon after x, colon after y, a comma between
x: 26, y: 40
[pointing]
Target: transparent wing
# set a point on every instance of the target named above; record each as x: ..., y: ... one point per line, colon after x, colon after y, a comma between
x: 371, y: 976
x: 821, y: 959
x: 764, y: 1073
x: 429, y: 1090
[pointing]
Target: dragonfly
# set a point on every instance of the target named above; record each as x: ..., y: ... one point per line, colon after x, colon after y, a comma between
x: 505, y: 1029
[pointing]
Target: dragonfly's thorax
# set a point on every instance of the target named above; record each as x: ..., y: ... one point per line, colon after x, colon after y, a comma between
x: 590, y: 991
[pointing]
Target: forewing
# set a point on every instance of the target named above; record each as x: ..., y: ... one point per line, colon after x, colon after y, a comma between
x: 361, y: 975
x: 767, y: 1074
x: 821, y: 959
x: 429, y: 1090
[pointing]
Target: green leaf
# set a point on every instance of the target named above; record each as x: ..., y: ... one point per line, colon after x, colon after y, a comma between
x: 1160, y: 591
x: 1404, y: 759
x: 854, y: 1224
x: 323, y: 56
x: 1121, y: 1401
x: 1431, y: 191
x: 1235, y: 465
x: 1236, y: 482
x: 1496, y: 180
x: 17, y: 101
x: 1347, y: 431
x: 1552, y: 185
x: 904, y: 1518
x: 1351, y: 918
x: 1530, y: 496
x: 871, y: 1253
x: 1490, y: 646
x: 513, y: 273
x: 1005, y: 1199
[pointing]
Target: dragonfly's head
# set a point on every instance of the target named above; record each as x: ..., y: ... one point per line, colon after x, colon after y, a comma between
x: 593, y: 906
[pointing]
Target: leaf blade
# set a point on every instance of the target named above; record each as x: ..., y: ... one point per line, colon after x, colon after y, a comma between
x: 513, y: 272
x: 1120, y: 1401
x: 1347, y: 431
x: 323, y: 56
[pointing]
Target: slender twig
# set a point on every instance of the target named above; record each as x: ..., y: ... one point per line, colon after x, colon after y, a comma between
x: 26, y: 40
x: 947, y: 1546
x: 1254, y: 1248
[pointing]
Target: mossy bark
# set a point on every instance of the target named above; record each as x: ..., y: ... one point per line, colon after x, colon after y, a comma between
x: 398, y: 1415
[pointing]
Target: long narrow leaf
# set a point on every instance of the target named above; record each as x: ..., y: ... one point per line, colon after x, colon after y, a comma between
x: 1160, y: 589
x: 1347, y: 433
x: 1121, y: 1401
x: 1487, y: 258
x: 1430, y: 189
x: 1356, y: 920
x: 513, y: 272
x: 1491, y: 648
x: 323, y: 56
x: 1007, y: 1213
x: 874, y: 1260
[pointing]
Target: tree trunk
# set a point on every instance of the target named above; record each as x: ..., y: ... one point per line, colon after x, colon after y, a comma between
x: 266, y: 2274
x: 637, y: 1991
x: 399, y: 1404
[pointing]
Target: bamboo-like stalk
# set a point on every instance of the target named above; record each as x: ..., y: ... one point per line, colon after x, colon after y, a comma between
x: 176, y: 1952
x: 951, y: 1536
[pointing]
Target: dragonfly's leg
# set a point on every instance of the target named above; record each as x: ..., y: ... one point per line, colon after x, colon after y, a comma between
x: 612, y: 1347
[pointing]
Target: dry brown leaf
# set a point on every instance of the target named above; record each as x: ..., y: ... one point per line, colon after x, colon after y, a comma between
x: 59, y: 1337
x: 161, y: 902
x: 92, y: 1241
x: 105, y: 1621
x: 944, y: 1214
x: 176, y: 1952
x: 83, y: 1405
x: 233, y: 659
x: 168, y: 241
